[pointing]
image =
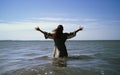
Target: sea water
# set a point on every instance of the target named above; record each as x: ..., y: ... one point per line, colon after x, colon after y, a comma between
x: 35, y: 58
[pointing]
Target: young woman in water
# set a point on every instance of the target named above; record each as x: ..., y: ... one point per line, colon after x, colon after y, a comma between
x: 59, y: 38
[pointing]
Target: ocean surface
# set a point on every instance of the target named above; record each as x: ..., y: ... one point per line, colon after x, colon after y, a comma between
x: 35, y: 58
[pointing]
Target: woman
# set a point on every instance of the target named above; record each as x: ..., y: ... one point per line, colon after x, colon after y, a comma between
x: 59, y: 38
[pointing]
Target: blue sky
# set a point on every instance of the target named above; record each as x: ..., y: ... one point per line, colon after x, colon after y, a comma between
x: 100, y: 18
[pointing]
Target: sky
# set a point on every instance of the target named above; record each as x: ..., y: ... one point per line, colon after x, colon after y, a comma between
x: 100, y: 18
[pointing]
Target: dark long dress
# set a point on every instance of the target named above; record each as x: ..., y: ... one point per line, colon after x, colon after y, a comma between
x: 60, y: 48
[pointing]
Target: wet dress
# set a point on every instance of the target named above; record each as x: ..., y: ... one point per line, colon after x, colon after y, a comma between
x: 60, y: 48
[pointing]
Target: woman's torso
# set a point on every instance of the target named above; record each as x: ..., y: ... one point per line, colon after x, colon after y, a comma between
x: 60, y: 45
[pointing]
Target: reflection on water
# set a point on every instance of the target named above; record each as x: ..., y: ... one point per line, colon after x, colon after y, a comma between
x: 60, y: 62
x: 57, y: 67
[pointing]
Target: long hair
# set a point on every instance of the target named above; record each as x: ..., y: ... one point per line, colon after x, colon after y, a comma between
x: 58, y: 31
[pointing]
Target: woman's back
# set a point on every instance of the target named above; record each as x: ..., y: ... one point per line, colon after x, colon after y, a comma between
x: 60, y: 45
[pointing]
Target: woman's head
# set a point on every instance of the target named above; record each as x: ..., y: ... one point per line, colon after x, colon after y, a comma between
x: 58, y: 31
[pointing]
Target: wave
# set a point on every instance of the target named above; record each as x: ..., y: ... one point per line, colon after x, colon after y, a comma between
x: 42, y: 58
x: 82, y: 57
x: 51, y: 70
x: 72, y: 57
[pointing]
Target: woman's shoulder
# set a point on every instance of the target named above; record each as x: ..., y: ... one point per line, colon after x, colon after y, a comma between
x: 65, y: 33
x: 68, y: 33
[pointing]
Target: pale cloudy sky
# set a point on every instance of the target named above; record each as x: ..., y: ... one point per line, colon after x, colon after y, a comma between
x: 100, y: 18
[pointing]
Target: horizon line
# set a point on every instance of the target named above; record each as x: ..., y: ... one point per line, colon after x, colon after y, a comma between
x: 67, y: 40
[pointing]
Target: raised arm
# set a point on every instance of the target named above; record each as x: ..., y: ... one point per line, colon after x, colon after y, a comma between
x: 46, y: 34
x: 73, y: 34
x: 38, y: 29
x: 81, y: 28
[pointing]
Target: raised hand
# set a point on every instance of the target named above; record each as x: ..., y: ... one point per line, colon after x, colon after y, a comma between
x: 81, y: 28
x: 37, y: 28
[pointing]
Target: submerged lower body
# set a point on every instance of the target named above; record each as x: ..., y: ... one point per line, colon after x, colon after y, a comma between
x: 60, y: 53
x: 60, y: 57
x: 60, y: 62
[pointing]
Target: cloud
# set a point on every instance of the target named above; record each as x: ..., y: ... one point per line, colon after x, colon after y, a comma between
x: 62, y: 19
x: 88, y: 19
x: 58, y: 19
x: 24, y: 30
